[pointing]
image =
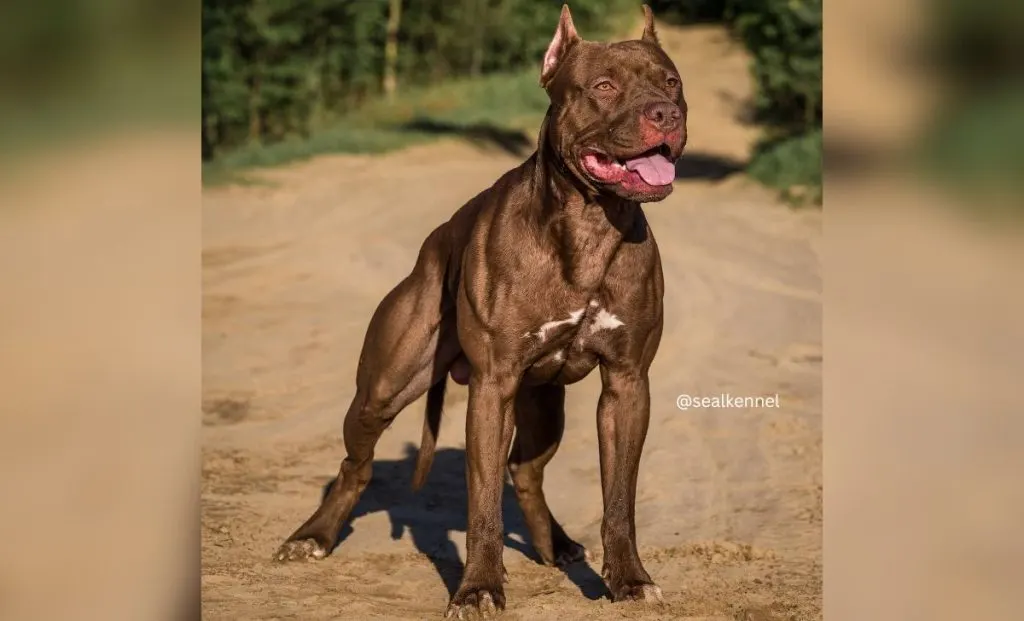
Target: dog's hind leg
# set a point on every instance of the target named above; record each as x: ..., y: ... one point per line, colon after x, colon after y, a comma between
x: 409, y: 347
x: 540, y: 421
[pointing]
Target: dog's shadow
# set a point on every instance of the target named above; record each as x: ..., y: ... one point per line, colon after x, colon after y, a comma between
x: 439, y: 508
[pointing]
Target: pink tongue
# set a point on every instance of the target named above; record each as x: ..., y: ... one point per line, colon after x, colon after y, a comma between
x: 654, y: 169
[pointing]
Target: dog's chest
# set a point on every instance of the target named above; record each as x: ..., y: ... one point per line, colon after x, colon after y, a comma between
x: 566, y: 347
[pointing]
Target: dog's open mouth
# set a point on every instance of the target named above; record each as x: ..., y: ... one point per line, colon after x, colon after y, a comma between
x: 654, y: 167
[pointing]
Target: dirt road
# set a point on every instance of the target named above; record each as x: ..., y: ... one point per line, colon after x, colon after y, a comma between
x: 729, y: 503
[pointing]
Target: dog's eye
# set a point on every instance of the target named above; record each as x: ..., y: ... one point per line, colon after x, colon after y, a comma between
x: 604, y: 85
x: 672, y: 82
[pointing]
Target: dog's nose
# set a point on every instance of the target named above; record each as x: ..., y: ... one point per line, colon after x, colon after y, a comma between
x: 664, y: 115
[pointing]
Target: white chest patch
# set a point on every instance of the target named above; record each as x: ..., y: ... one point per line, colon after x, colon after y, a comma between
x: 541, y: 333
x: 605, y: 321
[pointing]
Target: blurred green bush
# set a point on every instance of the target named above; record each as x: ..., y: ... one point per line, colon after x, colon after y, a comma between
x: 973, y: 142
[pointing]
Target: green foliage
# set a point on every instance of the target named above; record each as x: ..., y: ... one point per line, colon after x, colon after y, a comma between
x: 793, y: 165
x: 784, y: 37
x: 286, y: 79
x: 692, y: 11
x: 277, y: 70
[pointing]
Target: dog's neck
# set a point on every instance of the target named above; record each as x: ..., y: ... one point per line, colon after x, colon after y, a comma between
x: 585, y: 226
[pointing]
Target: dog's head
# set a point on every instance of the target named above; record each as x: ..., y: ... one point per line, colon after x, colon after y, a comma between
x: 618, y: 118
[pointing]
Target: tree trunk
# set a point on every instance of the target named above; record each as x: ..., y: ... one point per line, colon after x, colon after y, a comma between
x: 255, y: 112
x: 391, y: 48
x: 479, y: 28
x: 317, y: 86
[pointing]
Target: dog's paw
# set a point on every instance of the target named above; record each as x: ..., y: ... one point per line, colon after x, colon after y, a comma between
x: 476, y: 603
x: 647, y: 593
x: 300, y: 550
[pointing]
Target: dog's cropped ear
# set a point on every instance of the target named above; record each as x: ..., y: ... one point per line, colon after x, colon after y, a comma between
x: 565, y: 37
x: 650, y: 34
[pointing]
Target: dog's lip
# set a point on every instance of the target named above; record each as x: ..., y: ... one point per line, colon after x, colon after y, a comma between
x: 663, y: 149
x: 586, y: 170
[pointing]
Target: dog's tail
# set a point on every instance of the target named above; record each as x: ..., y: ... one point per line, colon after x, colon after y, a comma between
x: 431, y: 426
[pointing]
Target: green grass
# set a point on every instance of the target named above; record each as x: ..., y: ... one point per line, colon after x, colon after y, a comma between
x: 501, y: 103
x: 792, y: 165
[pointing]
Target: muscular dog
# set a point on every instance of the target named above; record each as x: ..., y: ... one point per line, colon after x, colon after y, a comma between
x: 543, y: 277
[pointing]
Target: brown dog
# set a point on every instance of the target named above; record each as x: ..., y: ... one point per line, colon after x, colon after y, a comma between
x: 549, y: 273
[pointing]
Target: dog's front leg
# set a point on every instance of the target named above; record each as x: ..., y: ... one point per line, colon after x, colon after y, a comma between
x: 623, y: 413
x: 489, y: 424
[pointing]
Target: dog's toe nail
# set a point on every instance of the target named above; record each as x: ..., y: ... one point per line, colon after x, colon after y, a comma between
x: 652, y: 594
x: 306, y: 549
x: 487, y: 604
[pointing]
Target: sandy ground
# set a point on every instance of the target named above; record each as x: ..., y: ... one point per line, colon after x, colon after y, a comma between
x: 729, y: 509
